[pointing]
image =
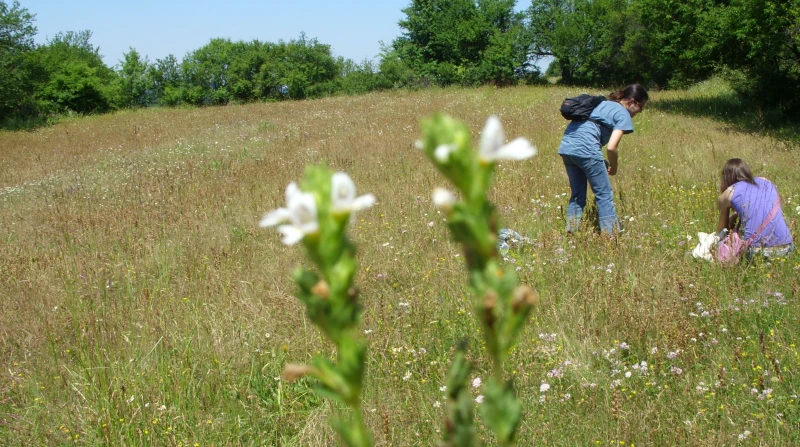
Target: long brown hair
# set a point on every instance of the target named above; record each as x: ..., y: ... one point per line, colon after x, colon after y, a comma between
x: 634, y: 91
x: 735, y: 170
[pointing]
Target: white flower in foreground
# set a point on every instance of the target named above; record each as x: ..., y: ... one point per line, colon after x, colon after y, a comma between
x: 443, y: 151
x: 544, y: 387
x: 493, y: 148
x: 300, y: 211
x: 343, y: 195
x: 476, y: 382
x: 443, y: 198
x: 479, y: 399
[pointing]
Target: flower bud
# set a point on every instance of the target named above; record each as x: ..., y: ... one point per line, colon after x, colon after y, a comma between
x: 294, y: 371
x: 321, y: 289
x: 524, y: 297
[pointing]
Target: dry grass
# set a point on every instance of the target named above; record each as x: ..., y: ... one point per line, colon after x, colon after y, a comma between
x: 142, y: 305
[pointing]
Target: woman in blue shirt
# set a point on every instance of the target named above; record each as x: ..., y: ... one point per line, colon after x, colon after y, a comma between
x: 581, y: 150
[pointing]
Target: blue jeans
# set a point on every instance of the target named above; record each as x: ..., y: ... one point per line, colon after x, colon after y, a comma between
x: 583, y: 170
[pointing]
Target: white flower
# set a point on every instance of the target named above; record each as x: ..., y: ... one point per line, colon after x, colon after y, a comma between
x: 443, y: 151
x: 479, y: 399
x: 301, y: 211
x: 343, y: 195
x: 476, y: 382
x: 437, y: 404
x: 492, y: 148
x: 544, y: 387
x: 443, y: 198
x: 443, y: 388
x: 627, y: 374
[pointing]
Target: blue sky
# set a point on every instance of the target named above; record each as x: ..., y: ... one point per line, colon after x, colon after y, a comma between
x: 155, y: 29
x: 353, y: 28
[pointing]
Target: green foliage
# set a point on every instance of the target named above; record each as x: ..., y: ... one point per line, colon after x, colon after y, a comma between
x: 74, y: 77
x: 765, y: 36
x: 136, y: 80
x: 672, y: 43
x: 16, y: 42
x: 459, y: 42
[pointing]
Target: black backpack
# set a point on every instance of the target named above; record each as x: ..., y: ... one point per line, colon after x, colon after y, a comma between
x: 580, y: 107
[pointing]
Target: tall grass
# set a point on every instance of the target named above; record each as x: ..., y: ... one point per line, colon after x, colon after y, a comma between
x: 141, y: 305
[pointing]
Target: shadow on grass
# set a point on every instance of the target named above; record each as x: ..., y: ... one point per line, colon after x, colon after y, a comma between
x: 28, y: 124
x: 741, y: 116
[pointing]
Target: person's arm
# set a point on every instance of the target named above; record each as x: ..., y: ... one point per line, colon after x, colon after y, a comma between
x: 724, y: 206
x: 613, y: 153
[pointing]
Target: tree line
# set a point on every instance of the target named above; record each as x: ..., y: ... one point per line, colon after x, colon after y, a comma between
x: 754, y: 44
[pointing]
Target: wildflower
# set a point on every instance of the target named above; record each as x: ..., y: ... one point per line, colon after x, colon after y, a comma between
x: 443, y: 388
x: 443, y: 151
x: 627, y: 374
x: 343, y: 195
x: 437, y: 404
x: 492, y: 148
x: 623, y: 346
x: 675, y: 370
x: 476, y: 382
x: 544, y: 387
x: 443, y: 198
x: 301, y: 211
x: 479, y: 399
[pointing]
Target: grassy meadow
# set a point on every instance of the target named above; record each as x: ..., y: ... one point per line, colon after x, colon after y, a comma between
x: 140, y: 304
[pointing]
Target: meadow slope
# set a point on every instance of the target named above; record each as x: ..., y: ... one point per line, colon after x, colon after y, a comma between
x: 140, y: 304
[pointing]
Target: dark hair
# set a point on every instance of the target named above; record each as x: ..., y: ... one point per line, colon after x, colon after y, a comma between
x: 634, y: 91
x: 735, y: 170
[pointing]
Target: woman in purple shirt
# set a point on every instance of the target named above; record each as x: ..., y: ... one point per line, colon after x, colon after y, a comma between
x: 753, y: 200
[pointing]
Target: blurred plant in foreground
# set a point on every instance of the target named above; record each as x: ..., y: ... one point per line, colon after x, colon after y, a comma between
x: 502, y: 306
x: 317, y: 214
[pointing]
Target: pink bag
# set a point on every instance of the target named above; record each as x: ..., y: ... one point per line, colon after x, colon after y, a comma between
x: 730, y: 249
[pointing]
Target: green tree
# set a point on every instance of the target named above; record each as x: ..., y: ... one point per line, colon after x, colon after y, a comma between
x: 205, y: 73
x: 16, y: 42
x: 459, y: 41
x: 167, y: 81
x: 304, y: 66
x: 359, y: 78
x: 136, y: 80
x: 764, y: 50
x: 75, y: 77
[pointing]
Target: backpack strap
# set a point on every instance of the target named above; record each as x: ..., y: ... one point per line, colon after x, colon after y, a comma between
x: 599, y: 123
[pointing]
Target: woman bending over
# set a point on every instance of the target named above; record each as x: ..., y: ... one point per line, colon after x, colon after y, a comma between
x: 582, y: 151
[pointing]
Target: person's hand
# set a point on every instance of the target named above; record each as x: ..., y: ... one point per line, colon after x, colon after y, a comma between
x: 612, y: 170
x: 733, y: 220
